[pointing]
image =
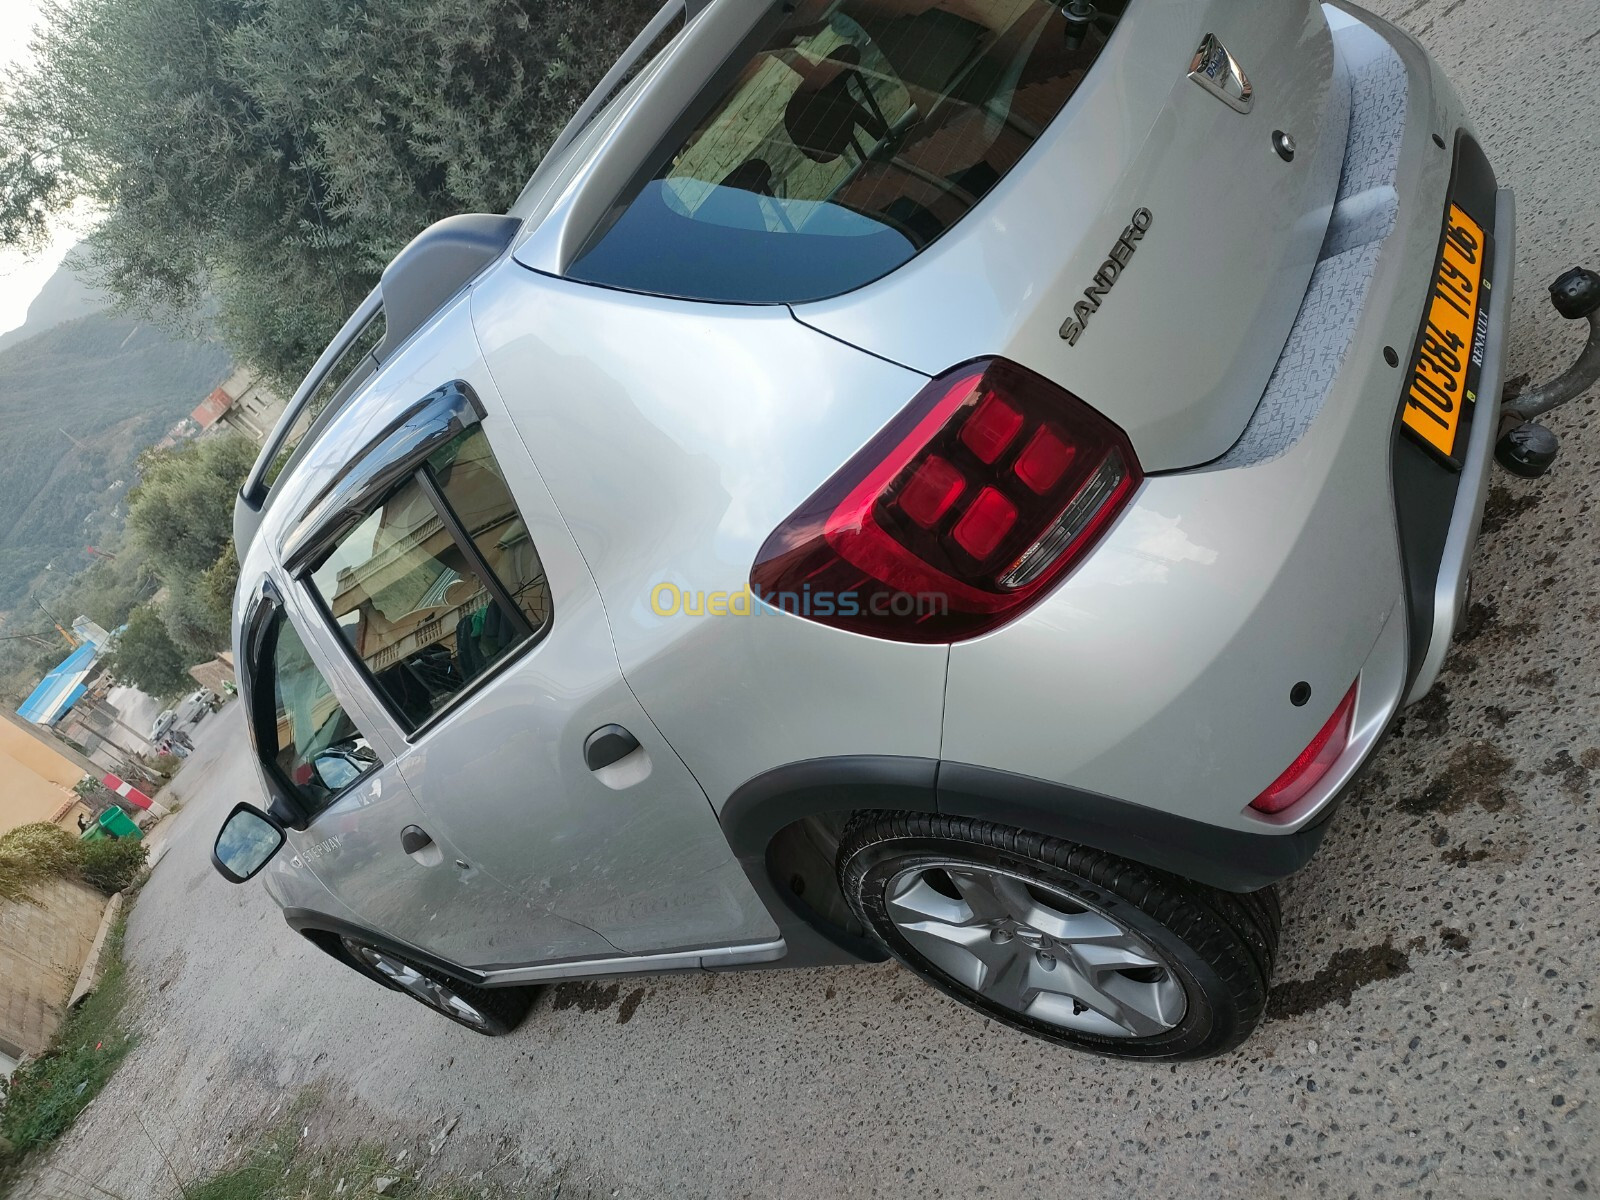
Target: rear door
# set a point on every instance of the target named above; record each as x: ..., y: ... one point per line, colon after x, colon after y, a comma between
x: 362, y: 833
x: 453, y: 597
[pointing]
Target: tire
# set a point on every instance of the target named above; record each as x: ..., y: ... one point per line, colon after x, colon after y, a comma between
x: 493, y: 1012
x: 1069, y: 944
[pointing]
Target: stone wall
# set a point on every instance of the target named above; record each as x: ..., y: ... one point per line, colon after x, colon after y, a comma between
x: 42, y: 949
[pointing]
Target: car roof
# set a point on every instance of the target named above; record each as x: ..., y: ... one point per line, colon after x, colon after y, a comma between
x: 419, y: 284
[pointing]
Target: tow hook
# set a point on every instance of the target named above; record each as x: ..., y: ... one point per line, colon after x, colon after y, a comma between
x: 1526, y: 448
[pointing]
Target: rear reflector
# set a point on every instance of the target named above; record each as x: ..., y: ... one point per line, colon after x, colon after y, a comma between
x: 958, y: 516
x: 1306, y: 771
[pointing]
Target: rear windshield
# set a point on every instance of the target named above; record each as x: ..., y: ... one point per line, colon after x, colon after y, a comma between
x: 845, y: 138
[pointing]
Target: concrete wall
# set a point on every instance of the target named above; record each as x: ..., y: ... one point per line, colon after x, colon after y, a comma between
x: 35, y: 779
x: 42, y: 949
x: 255, y: 408
x: 38, y: 751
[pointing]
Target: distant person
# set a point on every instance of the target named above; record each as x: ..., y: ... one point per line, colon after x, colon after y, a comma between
x: 83, y: 825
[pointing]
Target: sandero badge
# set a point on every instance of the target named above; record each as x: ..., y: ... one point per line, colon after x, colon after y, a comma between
x: 1106, y: 277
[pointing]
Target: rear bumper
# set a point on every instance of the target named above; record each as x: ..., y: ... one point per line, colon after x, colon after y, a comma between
x: 1316, y: 551
x: 1439, y: 516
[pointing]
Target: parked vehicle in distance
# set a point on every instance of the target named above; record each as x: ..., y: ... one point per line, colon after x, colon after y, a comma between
x: 195, y: 706
x: 951, y: 479
x: 163, y: 724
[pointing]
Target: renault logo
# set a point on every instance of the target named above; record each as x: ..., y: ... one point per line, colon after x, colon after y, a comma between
x: 1220, y: 74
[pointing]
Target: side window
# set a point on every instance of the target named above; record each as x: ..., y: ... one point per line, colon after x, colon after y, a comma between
x: 438, y: 583
x: 471, y: 483
x: 315, y: 746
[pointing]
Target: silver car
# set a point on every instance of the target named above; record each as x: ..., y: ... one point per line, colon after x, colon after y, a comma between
x: 968, y: 481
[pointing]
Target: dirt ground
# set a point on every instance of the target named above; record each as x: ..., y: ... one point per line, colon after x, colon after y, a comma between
x: 1434, y: 1028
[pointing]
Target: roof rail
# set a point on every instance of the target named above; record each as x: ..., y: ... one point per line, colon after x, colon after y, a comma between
x: 433, y: 267
x: 657, y: 25
x: 254, y: 491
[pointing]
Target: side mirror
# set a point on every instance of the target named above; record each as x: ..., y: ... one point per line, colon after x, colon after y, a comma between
x: 247, y: 842
x: 338, y: 769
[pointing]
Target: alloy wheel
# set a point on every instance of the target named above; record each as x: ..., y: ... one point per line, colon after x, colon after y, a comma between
x: 1036, y: 950
x: 430, y: 991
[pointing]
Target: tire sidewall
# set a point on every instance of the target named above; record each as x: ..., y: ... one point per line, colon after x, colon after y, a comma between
x: 493, y: 1025
x: 1210, y: 1019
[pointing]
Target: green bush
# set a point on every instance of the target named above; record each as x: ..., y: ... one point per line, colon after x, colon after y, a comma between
x: 48, y: 846
x: 30, y: 853
x: 111, y: 865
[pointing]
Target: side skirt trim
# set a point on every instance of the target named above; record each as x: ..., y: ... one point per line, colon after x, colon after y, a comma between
x: 309, y: 921
x: 640, y: 964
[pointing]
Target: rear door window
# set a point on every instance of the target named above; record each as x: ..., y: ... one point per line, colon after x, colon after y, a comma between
x: 438, y: 583
x: 846, y: 138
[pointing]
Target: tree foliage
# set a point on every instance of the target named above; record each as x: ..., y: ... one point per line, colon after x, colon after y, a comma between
x: 181, y: 517
x: 147, y: 658
x: 181, y: 512
x: 275, y: 154
x: 177, y: 544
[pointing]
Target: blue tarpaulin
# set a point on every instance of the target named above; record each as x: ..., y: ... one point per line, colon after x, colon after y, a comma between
x: 62, y: 688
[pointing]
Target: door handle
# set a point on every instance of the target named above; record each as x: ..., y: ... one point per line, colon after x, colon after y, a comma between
x: 414, y: 840
x: 607, y: 745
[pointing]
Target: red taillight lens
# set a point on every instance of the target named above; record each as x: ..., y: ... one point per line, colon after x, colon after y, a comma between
x: 986, y: 490
x: 1306, y: 771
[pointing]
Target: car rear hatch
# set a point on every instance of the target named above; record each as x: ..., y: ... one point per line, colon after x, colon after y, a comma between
x: 1126, y: 196
x: 1151, y: 250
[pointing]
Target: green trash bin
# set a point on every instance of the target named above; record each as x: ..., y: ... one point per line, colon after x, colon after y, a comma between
x: 118, y: 824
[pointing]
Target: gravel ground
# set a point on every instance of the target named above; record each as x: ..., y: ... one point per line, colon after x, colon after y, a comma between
x: 1434, y: 1031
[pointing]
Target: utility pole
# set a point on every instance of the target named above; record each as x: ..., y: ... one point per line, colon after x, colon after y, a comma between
x: 103, y: 710
x: 71, y: 641
x: 29, y: 637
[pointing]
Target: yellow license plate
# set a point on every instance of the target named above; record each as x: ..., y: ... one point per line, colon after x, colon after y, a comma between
x: 1450, y: 350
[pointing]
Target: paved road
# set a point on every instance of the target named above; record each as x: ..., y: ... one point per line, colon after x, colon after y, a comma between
x: 1437, y: 1028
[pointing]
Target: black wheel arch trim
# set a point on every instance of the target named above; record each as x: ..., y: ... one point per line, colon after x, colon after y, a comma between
x: 1229, y: 859
x: 763, y: 806
x: 308, y: 922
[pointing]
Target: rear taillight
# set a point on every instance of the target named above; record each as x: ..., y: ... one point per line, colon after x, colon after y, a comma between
x: 986, y: 490
x: 1306, y: 771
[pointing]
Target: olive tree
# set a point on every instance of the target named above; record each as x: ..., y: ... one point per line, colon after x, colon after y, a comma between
x: 265, y: 158
x: 180, y: 517
x: 147, y: 658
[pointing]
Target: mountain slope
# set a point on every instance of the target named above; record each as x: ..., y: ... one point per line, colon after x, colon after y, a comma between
x: 78, y: 403
x: 64, y: 297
